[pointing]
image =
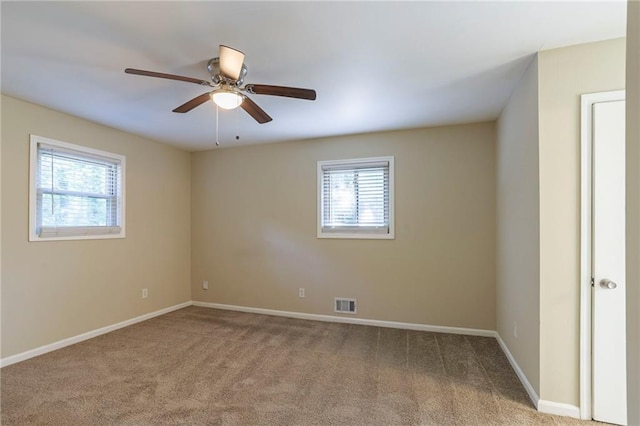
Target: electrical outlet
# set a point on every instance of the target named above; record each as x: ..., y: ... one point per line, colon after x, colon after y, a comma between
x: 515, y: 329
x: 301, y: 292
x: 205, y: 285
x: 145, y: 293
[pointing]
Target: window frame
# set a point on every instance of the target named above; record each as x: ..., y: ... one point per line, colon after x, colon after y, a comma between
x: 72, y: 232
x: 352, y: 233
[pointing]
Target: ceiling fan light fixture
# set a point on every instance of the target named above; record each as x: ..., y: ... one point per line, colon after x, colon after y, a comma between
x: 226, y: 98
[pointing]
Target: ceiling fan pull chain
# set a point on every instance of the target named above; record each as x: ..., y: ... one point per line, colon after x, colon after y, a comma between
x: 217, y: 141
x: 237, y: 125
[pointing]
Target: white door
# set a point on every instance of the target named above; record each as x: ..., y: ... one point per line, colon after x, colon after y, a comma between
x: 609, y: 390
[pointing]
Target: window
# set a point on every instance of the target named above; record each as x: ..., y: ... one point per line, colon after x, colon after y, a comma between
x: 75, y: 192
x: 355, y: 198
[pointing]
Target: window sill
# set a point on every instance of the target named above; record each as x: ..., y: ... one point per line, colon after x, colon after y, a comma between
x: 357, y: 236
x: 78, y: 233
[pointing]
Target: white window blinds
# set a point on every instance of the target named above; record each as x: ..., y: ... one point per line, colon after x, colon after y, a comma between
x: 355, y: 196
x: 78, y: 192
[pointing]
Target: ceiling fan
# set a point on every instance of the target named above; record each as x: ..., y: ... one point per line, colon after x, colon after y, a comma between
x: 227, y: 76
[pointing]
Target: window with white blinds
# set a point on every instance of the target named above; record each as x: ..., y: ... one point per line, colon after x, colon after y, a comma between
x: 355, y: 198
x: 76, y: 192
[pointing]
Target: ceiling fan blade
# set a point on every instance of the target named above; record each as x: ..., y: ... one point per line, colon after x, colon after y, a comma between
x: 197, y: 101
x: 289, y: 92
x: 231, y: 61
x: 168, y: 76
x: 255, y: 111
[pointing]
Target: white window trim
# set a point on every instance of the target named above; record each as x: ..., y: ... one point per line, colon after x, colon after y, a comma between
x: 79, y: 233
x: 371, y: 234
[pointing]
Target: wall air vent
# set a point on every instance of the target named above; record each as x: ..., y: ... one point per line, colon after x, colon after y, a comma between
x: 344, y: 305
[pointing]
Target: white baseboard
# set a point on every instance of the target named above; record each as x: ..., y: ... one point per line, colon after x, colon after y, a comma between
x: 85, y: 336
x: 316, y: 317
x: 351, y: 320
x: 523, y: 378
x: 558, y: 408
x: 543, y: 406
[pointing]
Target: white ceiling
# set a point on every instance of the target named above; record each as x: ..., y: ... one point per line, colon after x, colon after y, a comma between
x: 375, y: 65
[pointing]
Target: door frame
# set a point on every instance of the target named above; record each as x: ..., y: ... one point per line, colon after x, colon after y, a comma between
x: 586, y: 175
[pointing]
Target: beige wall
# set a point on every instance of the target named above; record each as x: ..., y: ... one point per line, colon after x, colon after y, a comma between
x: 0, y: 231
x: 254, y: 229
x: 518, y: 226
x: 633, y: 211
x: 59, y: 289
x: 565, y: 74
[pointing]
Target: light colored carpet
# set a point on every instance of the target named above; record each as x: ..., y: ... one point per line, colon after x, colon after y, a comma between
x: 201, y: 366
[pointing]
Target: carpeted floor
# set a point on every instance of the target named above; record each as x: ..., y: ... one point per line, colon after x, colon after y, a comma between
x: 201, y: 366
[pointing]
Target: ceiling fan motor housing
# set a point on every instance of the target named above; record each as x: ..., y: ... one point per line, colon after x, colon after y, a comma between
x: 214, y: 69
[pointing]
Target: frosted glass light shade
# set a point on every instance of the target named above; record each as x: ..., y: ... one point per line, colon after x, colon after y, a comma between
x: 226, y: 99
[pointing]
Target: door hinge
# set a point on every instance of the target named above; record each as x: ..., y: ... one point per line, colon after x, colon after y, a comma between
x: 592, y: 282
